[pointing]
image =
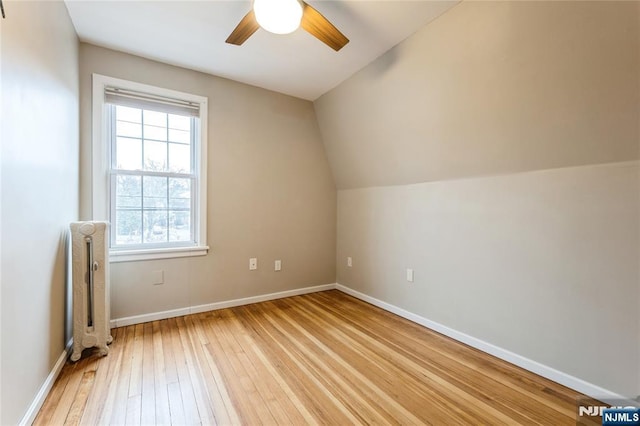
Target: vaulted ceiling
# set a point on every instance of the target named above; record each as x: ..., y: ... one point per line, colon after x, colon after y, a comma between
x: 192, y: 34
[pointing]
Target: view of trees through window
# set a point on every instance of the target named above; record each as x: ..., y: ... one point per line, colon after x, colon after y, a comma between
x: 152, y: 177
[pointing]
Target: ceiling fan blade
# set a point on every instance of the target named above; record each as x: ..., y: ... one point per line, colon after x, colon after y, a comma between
x: 318, y: 26
x: 247, y: 26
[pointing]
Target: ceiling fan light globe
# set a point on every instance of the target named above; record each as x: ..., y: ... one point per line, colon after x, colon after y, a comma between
x: 278, y: 16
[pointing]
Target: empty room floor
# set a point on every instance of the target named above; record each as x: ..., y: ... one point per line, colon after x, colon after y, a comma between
x: 321, y: 358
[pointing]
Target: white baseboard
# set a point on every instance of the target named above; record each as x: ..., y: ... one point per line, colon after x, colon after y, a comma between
x: 550, y: 373
x: 154, y: 316
x: 261, y: 298
x: 42, y: 394
x: 137, y: 319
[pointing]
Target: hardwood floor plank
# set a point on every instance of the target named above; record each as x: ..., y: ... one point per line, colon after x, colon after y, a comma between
x: 170, y: 371
x: 218, y: 397
x: 270, y: 381
x: 64, y: 404
x: 101, y: 400
x: 135, y: 381
x: 48, y: 408
x: 134, y: 410
x: 241, y: 389
x: 323, y: 397
x: 104, y: 371
x: 80, y: 399
x: 373, y: 404
x: 118, y: 398
x: 162, y: 413
x: 148, y: 392
x: 322, y: 358
x: 189, y: 406
x: 271, y: 396
x: 242, y: 363
x: 200, y: 392
x: 176, y: 407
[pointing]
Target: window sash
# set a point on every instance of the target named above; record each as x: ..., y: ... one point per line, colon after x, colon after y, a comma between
x: 150, y: 245
x: 114, y: 172
x: 113, y: 137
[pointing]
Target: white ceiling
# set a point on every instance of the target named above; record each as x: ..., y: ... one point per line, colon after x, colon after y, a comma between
x: 192, y: 34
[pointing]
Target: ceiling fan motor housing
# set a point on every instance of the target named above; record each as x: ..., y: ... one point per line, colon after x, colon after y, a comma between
x: 278, y: 16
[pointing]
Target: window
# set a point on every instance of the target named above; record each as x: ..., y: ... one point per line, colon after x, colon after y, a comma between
x: 149, y: 169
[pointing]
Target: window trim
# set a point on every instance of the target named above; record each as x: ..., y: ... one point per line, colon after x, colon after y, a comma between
x: 101, y: 151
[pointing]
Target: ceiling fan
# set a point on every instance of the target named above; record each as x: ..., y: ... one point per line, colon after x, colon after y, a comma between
x: 284, y: 17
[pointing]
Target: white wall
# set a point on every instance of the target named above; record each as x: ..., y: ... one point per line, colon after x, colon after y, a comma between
x: 495, y: 153
x: 270, y: 193
x: 39, y: 176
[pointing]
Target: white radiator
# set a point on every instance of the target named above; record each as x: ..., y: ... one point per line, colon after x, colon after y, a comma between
x: 91, y: 310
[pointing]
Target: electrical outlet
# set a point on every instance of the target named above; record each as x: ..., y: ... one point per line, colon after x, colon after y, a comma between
x: 253, y: 263
x: 410, y: 275
x: 349, y: 262
x: 278, y: 265
x: 157, y: 277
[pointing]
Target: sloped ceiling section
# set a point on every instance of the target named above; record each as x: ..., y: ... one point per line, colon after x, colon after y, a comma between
x: 491, y: 88
x: 192, y: 34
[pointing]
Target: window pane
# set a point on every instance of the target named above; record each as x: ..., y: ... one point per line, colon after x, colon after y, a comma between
x: 124, y: 128
x: 155, y: 203
x: 155, y: 156
x: 179, y: 194
x: 179, y: 122
x: 179, y: 188
x: 180, y: 209
x: 155, y: 186
x: 180, y: 203
x: 155, y: 132
x: 128, y: 192
x: 128, y: 216
x: 179, y: 136
x: 155, y: 226
x: 125, y: 202
x: 128, y: 154
x: 129, y: 114
x: 179, y: 226
x: 179, y: 158
x: 128, y: 226
x: 155, y: 118
x: 155, y: 192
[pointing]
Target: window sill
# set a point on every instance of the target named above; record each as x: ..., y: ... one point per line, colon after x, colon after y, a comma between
x: 116, y: 256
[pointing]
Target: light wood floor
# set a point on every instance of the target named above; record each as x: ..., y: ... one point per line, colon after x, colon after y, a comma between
x: 323, y: 358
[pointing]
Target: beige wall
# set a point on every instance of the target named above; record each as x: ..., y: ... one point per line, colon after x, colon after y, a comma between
x: 511, y: 133
x: 39, y: 193
x: 491, y: 87
x: 270, y: 193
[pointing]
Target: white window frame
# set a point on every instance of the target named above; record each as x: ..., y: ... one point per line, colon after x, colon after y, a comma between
x: 100, y: 176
